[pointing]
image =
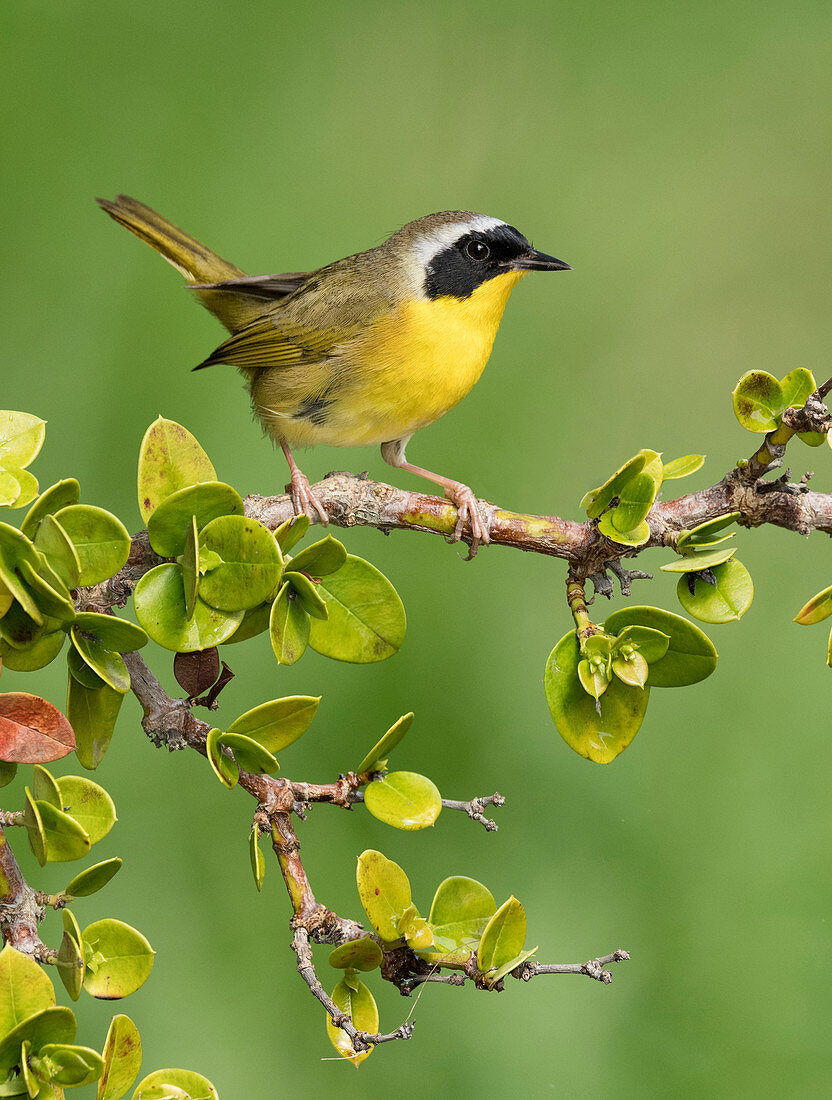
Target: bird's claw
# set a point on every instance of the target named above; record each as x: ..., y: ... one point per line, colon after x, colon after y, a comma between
x: 304, y: 500
x: 469, y: 513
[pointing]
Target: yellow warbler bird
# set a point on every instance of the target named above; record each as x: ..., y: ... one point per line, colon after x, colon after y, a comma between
x: 368, y: 349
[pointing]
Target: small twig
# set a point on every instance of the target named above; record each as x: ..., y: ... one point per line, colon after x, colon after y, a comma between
x: 475, y: 808
x: 11, y: 817
x: 592, y: 969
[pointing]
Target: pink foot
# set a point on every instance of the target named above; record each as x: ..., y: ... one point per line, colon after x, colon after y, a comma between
x: 304, y: 500
x: 469, y: 513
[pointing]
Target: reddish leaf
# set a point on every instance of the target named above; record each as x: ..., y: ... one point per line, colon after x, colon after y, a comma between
x: 32, y: 731
x: 196, y: 672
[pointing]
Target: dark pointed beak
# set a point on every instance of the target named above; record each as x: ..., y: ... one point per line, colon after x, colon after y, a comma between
x: 538, y: 261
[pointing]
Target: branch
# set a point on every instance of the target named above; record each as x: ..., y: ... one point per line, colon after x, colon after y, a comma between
x: 474, y: 808
x: 594, y: 968
x: 20, y: 912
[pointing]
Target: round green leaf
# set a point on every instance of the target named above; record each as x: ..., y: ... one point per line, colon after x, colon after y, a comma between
x: 415, y: 929
x: 254, y: 623
x: 279, y: 723
x: 384, y: 890
x: 635, y: 501
x: 597, y: 737
x: 71, y: 926
x: 18, y: 629
x: 382, y: 749
x: 116, y: 634
x: 290, y: 533
x: 25, y: 988
x: 71, y: 1066
x: 41, y: 652
x: 170, y: 522
x: 258, y: 860
x: 690, y: 656
x: 250, y: 755
x: 80, y: 671
x: 223, y: 766
x: 57, y: 496
x: 7, y: 772
x: 364, y: 954
x: 92, y: 713
x: 637, y: 537
x: 51, y: 1025
x: 34, y: 828
x: 594, y: 681
x: 320, y: 558
x: 122, y: 1059
x: 796, y: 388
x: 461, y: 910
x: 44, y: 787
x: 21, y: 438
x: 682, y: 467
x: 120, y: 959
x: 361, y: 1008
x: 170, y: 459
x: 724, y: 602
x: 308, y: 595
x: 89, y: 804
x: 631, y: 670
x: 48, y: 591
x: 288, y: 627
x: 596, y: 500
x: 190, y: 567
x: 366, y: 617
x: 405, y: 800
x: 15, y: 549
x: 816, y: 610
x: 651, y: 644
x: 758, y: 401
x: 707, y: 530
x: 26, y: 484
x: 701, y: 559
x: 250, y: 566
x: 10, y: 489
x: 56, y: 546
x: 70, y: 965
x: 503, y: 938
x: 159, y: 600
x: 175, y: 1084
x: 93, y: 878
x: 106, y: 663
x: 100, y: 539
x: 65, y: 838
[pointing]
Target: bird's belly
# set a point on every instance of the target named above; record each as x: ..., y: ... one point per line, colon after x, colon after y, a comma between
x: 405, y: 371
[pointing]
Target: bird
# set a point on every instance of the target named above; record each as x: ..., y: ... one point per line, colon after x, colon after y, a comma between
x: 366, y: 350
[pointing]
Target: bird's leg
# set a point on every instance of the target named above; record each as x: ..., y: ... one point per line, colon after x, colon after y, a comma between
x: 461, y: 495
x: 303, y: 499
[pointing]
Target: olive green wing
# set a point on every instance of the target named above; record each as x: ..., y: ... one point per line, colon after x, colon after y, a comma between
x: 264, y: 288
x: 268, y: 342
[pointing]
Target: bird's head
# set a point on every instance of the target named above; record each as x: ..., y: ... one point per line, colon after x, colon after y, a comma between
x: 453, y: 253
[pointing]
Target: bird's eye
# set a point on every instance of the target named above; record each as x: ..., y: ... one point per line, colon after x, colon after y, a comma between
x: 476, y: 250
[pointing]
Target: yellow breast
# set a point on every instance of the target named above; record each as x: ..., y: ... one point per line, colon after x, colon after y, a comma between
x: 413, y: 366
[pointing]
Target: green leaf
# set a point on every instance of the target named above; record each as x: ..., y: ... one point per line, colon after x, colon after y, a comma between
x: 690, y: 656
x: 116, y: 634
x: 279, y: 723
x: 89, y: 804
x: 249, y: 572
x: 637, y: 537
x: 682, y: 467
x: 829, y: 650
x: 71, y: 926
x: 797, y: 387
x: 651, y: 644
x: 405, y: 800
x: 65, y: 839
x: 724, y: 602
x: 384, y: 890
x: 696, y: 561
x: 15, y: 549
x: 361, y: 1008
x: 258, y: 860
x: 79, y: 670
x: 161, y: 1084
x: 121, y: 959
x: 631, y: 670
x: 26, y: 485
x: 288, y: 627
x: 92, y: 712
x: 34, y: 828
x: 38, y: 654
x: 598, y: 737
x: 44, y: 787
x: 7, y: 772
x: 705, y: 533
x: 366, y: 617
x: 308, y: 595
x: 57, y: 496
x: 503, y: 938
x: 290, y: 533
x: 364, y: 954
x: 415, y: 929
x: 382, y: 749
x: 93, y: 878
x: 100, y: 539
x: 159, y: 600
x: 48, y: 591
x: 758, y: 400
x: 57, y: 547
x: 461, y: 910
x: 170, y: 522
x: 635, y: 501
x: 70, y: 965
x: 10, y: 489
x: 51, y: 1025
x: 70, y: 1066
x: 189, y: 561
x: 21, y: 438
x: 18, y: 630
x: 596, y: 500
x: 593, y: 680
x: 320, y: 558
x: 254, y: 623
x: 223, y: 766
x: 108, y: 665
x: 122, y: 1059
x: 816, y: 610
x: 24, y: 988
x: 170, y: 459
x: 250, y: 755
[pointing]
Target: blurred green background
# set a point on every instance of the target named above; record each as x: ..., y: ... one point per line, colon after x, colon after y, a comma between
x: 679, y: 157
